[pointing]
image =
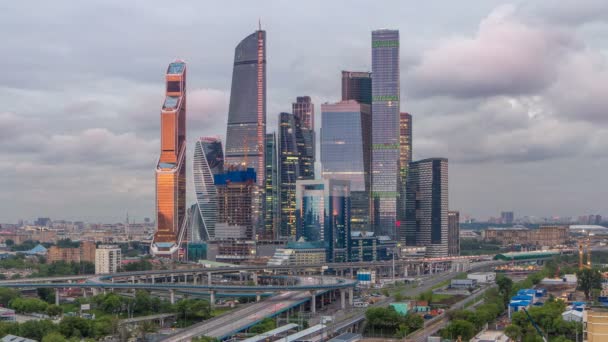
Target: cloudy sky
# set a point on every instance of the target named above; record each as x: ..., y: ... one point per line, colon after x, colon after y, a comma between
x: 513, y: 93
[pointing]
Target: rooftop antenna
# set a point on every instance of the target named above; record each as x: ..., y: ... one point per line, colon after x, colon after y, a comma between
x: 260, y: 24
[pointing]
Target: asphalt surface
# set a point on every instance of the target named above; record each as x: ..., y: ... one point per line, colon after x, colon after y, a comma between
x: 240, y: 319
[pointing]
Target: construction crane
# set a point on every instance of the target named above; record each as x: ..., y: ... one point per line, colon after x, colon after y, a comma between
x: 540, y: 332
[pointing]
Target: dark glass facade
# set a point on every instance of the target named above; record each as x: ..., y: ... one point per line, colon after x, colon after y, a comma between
x: 453, y: 233
x: 271, y: 207
x: 385, y: 130
x: 357, y: 85
x: 246, y: 133
x: 427, y: 206
x: 405, y: 158
x: 296, y: 162
x: 345, y: 153
x: 323, y: 214
x: 365, y: 246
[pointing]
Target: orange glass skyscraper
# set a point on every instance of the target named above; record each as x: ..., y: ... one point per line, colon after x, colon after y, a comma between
x: 171, y: 167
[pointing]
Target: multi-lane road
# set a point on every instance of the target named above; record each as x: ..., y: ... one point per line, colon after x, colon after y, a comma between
x: 235, y: 321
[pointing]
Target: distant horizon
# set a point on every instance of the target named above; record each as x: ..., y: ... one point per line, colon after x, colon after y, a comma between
x: 513, y: 93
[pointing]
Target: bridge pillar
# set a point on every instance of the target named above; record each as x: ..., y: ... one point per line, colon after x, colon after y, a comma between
x: 172, y: 296
x: 153, y: 279
x: 405, y: 273
x: 57, y: 296
x: 84, y: 292
x: 171, y: 278
x: 194, y: 278
x: 313, y: 301
x: 342, y: 299
x: 132, y: 279
x: 212, y: 298
x: 255, y: 278
x: 209, y: 276
x: 94, y: 291
x: 258, y: 297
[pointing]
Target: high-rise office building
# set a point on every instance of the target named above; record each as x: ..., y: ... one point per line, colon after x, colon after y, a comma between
x: 323, y: 214
x: 506, y: 217
x: 357, y: 85
x: 405, y: 158
x: 385, y: 130
x: 238, y: 206
x: 271, y: 207
x: 296, y: 162
x: 246, y: 133
x: 208, y: 161
x: 171, y: 167
x: 426, y: 221
x: 304, y: 109
x: 453, y: 233
x: 289, y: 170
x: 304, y: 112
x: 345, y: 153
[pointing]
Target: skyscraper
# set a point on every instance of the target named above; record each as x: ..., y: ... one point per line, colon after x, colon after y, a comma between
x: 345, y: 153
x: 427, y: 206
x: 296, y: 162
x: 323, y: 214
x: 246, y: 133
x: 171, y: 167
x: 289, y: 170
x: 208, y: 161
x: 271, y: 208
x: 304, y: 112
x: 304, y: 109
x: 405, y: 158
x: 453, y: 233
x: 385, y: 130
x: 506, y: 217
x: 357, y: 85
x: 237, y: 194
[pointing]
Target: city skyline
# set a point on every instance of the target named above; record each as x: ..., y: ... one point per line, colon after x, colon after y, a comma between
x: 520, y: 163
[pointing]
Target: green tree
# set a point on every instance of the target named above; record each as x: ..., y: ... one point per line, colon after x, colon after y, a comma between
x: 112, y: 303
x: 464, y: 329
x: 265, y: 325
x: 46, y: 294
x: 505, y: 286
x: 514, y: 332
x: 54, y: 310
x: 28, y: 305
x: 54, y: 337
x: 76, y: 327
x: 8, y: 294
x: 589, y: 279
x: 143, y: 302
x: 36, y: 330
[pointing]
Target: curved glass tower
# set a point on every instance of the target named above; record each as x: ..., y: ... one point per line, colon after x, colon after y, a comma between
x: 171, y: 167
x: 246, y: 132
x: 208, y: 161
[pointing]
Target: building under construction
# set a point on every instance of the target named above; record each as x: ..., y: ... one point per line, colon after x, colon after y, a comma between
x: 238, y: 204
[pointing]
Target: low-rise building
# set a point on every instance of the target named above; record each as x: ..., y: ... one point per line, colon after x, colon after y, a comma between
x: 299, y: 253
x: 107, y: 259
x: 463, y: 283
x: 543, y: 236
x: 595, y: 325
x: 491, y: 336
x: 483, y: 277
x: 84, y: 252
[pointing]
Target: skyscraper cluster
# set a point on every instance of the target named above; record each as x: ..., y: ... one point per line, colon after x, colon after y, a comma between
x: 264, y: 187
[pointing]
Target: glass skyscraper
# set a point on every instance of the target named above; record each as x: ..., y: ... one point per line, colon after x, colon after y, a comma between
x: 323, y: 214
x: 296, y: 162
x: 345, y: 153
x: 246, y: 133
x: 427, y: 206
x: 385, y: 130
x: 304, y: 112
x: 208, y: 161
x: 405, y: 158
x: 271, y: 208
x: 357, y: 85
x: 171, y: 167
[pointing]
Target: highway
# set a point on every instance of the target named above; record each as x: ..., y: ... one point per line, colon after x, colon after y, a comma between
x: 235, y: 321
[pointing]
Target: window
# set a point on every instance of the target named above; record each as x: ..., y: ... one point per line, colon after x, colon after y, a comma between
x: 173, y: 86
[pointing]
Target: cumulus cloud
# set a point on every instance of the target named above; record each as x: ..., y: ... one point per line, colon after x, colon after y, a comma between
x: 505, y: 57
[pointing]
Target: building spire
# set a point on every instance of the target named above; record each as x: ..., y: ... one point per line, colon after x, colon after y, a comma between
x: 259, y: 24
